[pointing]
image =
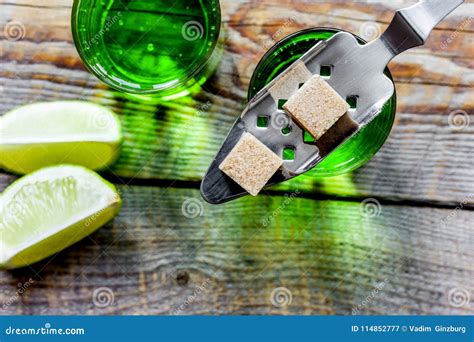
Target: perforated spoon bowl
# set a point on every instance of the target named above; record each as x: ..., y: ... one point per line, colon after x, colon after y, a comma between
x: 356, y: 73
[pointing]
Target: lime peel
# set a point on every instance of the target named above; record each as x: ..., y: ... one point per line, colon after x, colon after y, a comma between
x: 49, y: 210
x: 61, y: 132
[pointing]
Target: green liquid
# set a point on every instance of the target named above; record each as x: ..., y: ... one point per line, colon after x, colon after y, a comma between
x: 358, y: 150
x: 141, y: 46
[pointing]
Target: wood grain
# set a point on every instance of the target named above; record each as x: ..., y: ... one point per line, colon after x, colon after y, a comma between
x: 327, y: 253
x: 424, y: 159
x: 431, y: 83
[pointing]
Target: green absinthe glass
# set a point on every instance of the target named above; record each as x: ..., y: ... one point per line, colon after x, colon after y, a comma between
x: 160, y: 47
x: 356, y: 151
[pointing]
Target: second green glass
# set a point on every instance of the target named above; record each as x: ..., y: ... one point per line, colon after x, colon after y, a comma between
x: 356, y: 151
x: 160, y: 47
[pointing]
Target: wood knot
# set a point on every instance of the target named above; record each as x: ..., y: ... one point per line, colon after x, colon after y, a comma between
x: 182, y: 278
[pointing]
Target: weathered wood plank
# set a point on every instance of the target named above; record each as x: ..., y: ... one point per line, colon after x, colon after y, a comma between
x: 229, y: 259
x: 23, y: 83
x: 167, y: 243
x: 424, y: 158
x: 248, y: 35
x: 430, y: 81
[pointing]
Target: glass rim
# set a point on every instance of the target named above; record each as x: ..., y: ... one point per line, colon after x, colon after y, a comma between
x: 262, y: 74
x: 162, y: 88
x: 275, y: 46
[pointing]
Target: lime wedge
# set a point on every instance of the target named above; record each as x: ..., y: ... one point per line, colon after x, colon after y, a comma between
x: 49, y: 210
x: 64, y: 132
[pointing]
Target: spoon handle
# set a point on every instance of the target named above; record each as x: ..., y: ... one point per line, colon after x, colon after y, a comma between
x: 411, y: 26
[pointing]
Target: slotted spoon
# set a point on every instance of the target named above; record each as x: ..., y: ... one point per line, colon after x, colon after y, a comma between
x: 356, y: 73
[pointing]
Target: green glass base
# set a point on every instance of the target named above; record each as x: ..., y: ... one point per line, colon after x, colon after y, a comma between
x: 157, y: 47
x: 356, y: 151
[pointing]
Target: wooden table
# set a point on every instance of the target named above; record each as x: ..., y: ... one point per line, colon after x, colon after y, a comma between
x: 413, y: 255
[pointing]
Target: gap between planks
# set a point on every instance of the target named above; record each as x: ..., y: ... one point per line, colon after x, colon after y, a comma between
x: 194, y: 185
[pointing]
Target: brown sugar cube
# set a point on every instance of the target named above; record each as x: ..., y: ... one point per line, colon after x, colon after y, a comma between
x: 316, y: 106
x: 251, y: 164
x: 289, y: 82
